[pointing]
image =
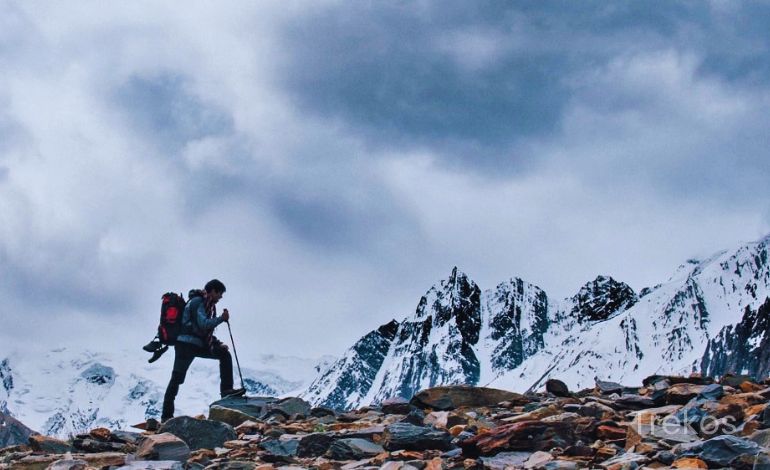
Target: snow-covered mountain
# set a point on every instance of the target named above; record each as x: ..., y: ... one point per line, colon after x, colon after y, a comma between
x: 63, y: 392
x: 515, y: 337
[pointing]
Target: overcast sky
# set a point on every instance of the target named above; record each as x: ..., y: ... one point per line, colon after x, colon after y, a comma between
x: 330, y: 161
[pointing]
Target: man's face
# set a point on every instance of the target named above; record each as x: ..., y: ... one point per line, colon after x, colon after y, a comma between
x: 215, y: 296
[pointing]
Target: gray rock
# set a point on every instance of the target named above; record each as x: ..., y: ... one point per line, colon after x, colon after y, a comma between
x: 410, y: 437
x: 712, y: 392
x: 761, y: 437
x: 281, y: 449
x: 608, y: 387
x: 199, y: 433
x: 12, y: 431
x: 292, y: 406
x: 634, y: 402
x: 68, y: 464
x: 231, y: 416
x: 153, y: 465
x: 396, y: 406
x: 256, y: 407
x: 353, y: 449
x: 127, y: 437
x: 314, y: 445
x: 557, y: 387
x: 504, y: 460
x: 721, y: 450
x: 164, y: 446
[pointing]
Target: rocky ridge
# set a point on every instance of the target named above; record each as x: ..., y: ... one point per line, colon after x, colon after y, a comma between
x: 669, y: 422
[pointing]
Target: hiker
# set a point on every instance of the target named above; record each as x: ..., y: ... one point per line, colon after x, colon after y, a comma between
x: 196, y: 339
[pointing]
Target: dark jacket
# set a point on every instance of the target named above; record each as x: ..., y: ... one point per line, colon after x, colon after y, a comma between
x: 197, y: 330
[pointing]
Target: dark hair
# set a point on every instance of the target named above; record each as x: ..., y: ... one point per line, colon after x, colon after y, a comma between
x: 215, y: 284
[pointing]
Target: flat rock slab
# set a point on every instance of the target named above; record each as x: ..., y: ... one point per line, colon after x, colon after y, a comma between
x: 315, y: 444
x: 505, y: 460
x: 407, y: 436
x: 165, y: 446
x: 153, y: 465
x: 353, y: 449
x: 39, y: 462
x: 231, y: 416
x: 49, y: 445
x: 722, y: 450
x: 199, y: 433
x: 456, y: 396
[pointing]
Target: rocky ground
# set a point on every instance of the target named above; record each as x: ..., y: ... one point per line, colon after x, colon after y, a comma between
x: 669, y: 422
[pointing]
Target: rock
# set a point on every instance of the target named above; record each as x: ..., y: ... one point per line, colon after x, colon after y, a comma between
x: 761, y: 437
x: 353, y: 449
x: 689, y: 462
x: 68, y: 464
x: 281, y: 449
x: 321, y: 412
x: 608, y: 388
x: 256, y: 407
x: 49, y: 445
x: 40, y: 462
x: 93, y: 445
x: 538, y: 459
x: 437, y: 418
x: 526, y: 435
x: 712, y: 392
x: 557, y: 387
x: 396, y: 406
x: 231, y: 416
x: 199, y: 433
x: 721, y: 450
x: 561, y: 465
x: 674, y: 433
x: 292, y: 407
x: 12, y: 431
x: 164, y: 446
x: 634, y: 402
x: 415, y: 416
x: 735, y: 381
x: 505, y: 460
x: 314, y: 445
x: 610, y: 433
x: 682, y: 393
x: 127, y: 437
x: 153, y: 465
x: 455, y: 396
x: 101, y: 434
x: 624, y: 461
x: 410, y: 437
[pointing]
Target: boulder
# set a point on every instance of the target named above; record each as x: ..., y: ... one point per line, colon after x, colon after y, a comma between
x: 455, y: 396
x: 521, y: 436
x: 353, y: 449
x: 558, y: 388
x: 199, y: 433
x: 682, y: 393
x: 256, y: 407
x: 608, y: 388
x: 505, y: 460
x: 634, y: 402
x: 68, y: 464
x: 315, y: 444
x: 396, y: 406
x: 283, y: 449
x: 231, y: 416
x: 153, y: 465
x: 410, y: 437
x: 292, y: 407
x: 49, y: 445
x: 164, y: 446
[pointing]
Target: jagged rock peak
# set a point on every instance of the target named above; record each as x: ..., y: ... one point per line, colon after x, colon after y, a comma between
x: 602, y: 298
x: 457, y: 298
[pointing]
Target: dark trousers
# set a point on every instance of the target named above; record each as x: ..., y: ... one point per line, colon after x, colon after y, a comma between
x: 184, y: 353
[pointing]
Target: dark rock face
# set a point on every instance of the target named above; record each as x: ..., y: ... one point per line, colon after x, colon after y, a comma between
x: 743, y: 348
x: 199, y: 433
x: 601, y: 298
x: 514, y: 302
x: 12, y: 431
x: 163, y: 447
x: 410, y: 437
x: 355, y: 372
x: 315, y: 444
x: 437, y: 345
x: 722, y: 450
x: 557, y: 387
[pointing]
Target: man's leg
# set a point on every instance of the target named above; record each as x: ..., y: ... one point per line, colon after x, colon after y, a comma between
x: 183, y: 357
x: 220, y: 352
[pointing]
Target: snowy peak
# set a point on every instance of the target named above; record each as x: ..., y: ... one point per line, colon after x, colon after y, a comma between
x: 456, y: 300
x: 601, y: 299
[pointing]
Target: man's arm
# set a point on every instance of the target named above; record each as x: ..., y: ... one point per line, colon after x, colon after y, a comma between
x: 205, y: 323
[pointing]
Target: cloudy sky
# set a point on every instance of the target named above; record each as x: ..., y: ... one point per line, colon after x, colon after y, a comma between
x: 330, y: 161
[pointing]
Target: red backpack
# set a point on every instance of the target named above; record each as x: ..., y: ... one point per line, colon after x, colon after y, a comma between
x: 170, y: 317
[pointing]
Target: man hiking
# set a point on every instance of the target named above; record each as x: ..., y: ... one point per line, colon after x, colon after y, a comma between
x: 197, y: 339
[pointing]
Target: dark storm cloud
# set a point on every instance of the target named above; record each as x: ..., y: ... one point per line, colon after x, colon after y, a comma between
x: 163, y: 110
x: 391, y: 73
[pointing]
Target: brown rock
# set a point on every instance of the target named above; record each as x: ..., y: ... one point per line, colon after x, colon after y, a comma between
x: 744, y: 400
x: 435, y: 464
x: 526, y: 435
x: 535, y: 415
x: 749, y: 387
x: 611, y: 433
x: 165, y: 446
x: 749, y: 427
x: 689, y: 463
x: 456, y: 396
x: 456, y: 430
x: 680, y: 394
x: 101, y: 434
x: 755, y: 410
x: 68, y: 464
x: 437, y: 418
x: 40, y: 462
x: 633, y: 438
x: 48, y: 445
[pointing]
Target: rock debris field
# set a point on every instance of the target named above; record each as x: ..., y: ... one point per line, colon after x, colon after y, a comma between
x: 669, y: 422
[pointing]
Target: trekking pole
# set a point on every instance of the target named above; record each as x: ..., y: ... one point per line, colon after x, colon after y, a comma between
x: 235, y: 353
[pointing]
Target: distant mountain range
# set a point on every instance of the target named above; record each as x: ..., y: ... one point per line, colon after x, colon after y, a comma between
x: 710, y: 316
x: 64, y: 392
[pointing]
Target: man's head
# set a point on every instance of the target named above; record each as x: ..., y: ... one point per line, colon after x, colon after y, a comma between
x: 214, y: 289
